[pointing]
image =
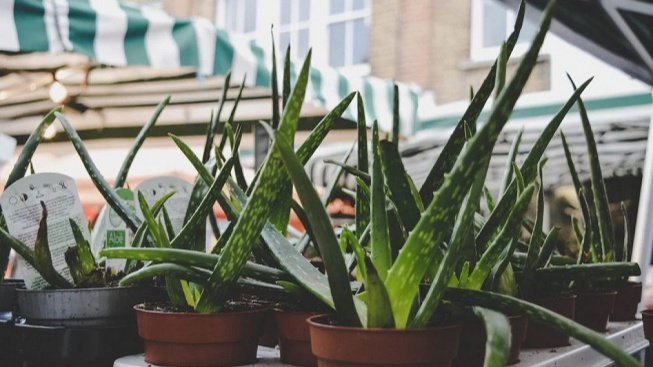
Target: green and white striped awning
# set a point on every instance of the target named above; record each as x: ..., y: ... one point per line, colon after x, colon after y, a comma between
x: 117, y: 34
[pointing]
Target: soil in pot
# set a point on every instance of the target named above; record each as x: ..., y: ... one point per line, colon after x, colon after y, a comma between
x: 625, y: 305
x: 471, y: 351
x: 228, y: 338
x: 336, y: 346
x: 542, y: 336
x: 294, y: 337
x: 593, y: 309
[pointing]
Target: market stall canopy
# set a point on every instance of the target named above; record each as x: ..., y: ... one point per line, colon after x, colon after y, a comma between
x: 615, y: 31
x: 112, y: 33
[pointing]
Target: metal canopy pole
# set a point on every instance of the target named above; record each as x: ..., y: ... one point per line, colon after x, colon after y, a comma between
x: 643, y: 241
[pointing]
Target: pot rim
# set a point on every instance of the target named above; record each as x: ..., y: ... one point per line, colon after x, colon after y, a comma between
x: 647, y: 312
x: 560, y: 297
x: 138, y: 308
x: 313, y: 321
x: 111, y: 288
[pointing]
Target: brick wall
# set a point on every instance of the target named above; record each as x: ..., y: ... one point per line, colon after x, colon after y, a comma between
x: 427, y: 42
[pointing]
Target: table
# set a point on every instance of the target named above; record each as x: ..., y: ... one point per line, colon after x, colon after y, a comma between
x: 629, y: 336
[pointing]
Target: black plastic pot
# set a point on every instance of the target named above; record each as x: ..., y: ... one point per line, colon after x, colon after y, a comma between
x: 9, y: 338
x: 58, y: 346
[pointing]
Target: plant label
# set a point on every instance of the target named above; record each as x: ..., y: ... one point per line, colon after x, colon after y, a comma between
x: 176, y: 206
x: 21, y: 206
x: 111, y: 231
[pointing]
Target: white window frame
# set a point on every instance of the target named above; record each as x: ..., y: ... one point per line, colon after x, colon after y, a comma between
x: 319, y: 20
x: 478, y: 52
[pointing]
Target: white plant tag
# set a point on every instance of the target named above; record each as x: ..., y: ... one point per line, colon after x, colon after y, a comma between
x: 176, y: 206
x: 111, y: 231
x: 21, y: 207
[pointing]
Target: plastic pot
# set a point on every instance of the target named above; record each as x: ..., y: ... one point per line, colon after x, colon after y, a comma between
x: 200, y: 340
x: 647, y: 321
x: 625, y: 305
x: 593, y: 309
x: 542, y: 336
x: 340, y: 346
x: 295, y: 338
x: 471, y: 351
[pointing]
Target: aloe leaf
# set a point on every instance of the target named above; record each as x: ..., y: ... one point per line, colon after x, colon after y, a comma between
x: 205, y: 207
x: 464, y: 275
x: 507, y: 304
x: 625, y: 256
x: 357, y: 249
x: 528, y: 169
x: 150, y: 220
x: 213, y: 126
x: 226, y: 133
x: 334, y: 261
x: 198, y: 239
x: 138, y: 142
x: 362, y: 205
x: 84, y: 253
x: 276, y: 115
x: 512, y: 158
x: 34, y: 139
x: 489, y: 201
x: 255, y: 213
x: 379, y: 311
x: 100, y: 183
x: 588, y: 244
x: 21, y: 249
x: 594, y: 271
x: 285, y: 91
x: 335, y: 179
x: 169, y: 231
x: 507, y: 235
x: 535, y: 244
x: 399, y: 185
x: 381, y: 254
x: 519, y: 178
x: 351, y: 170
x: 599, y: 192
x: 587, y: 217
x: 502, y: 63
x: 191, y: 258
x: 577, y: 231
x: 548, y: 247
x: 498, y: 336
x: 172, y: 271
x: 395, y: 117
x: 42, y: 256
x: 454, y: 145
x: 445, y: 270
x: 409, y: 268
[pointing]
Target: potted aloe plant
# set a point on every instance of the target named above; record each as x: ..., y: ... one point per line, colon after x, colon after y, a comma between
x: 83, y: 302
x: 249, y: 210
x: 390, y: 305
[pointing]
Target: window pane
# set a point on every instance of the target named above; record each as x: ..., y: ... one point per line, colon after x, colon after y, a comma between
x: 250, y: 16
x: 285, y: 11
x: 494, y: 24
x: 231, y: 15
x: 337, y: 44
x: 302, y: 43
x: 284, y: 41
x: 358, y: 4
x: 360, y: 42
x: 527, y: 32
x: 336, y: 6
x: 304, y: 9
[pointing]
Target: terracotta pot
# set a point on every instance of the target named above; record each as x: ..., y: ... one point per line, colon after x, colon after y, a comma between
x: 336, y: 346
x: 294, y: 338
x: 625, y: 305
x: 200, y: 340
x: 647, y: 321
x: 593, y: 309
x: 541, y: 336
x: 471, y: 351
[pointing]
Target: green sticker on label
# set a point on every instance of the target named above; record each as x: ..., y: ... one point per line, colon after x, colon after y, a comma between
x: 116, y: 238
